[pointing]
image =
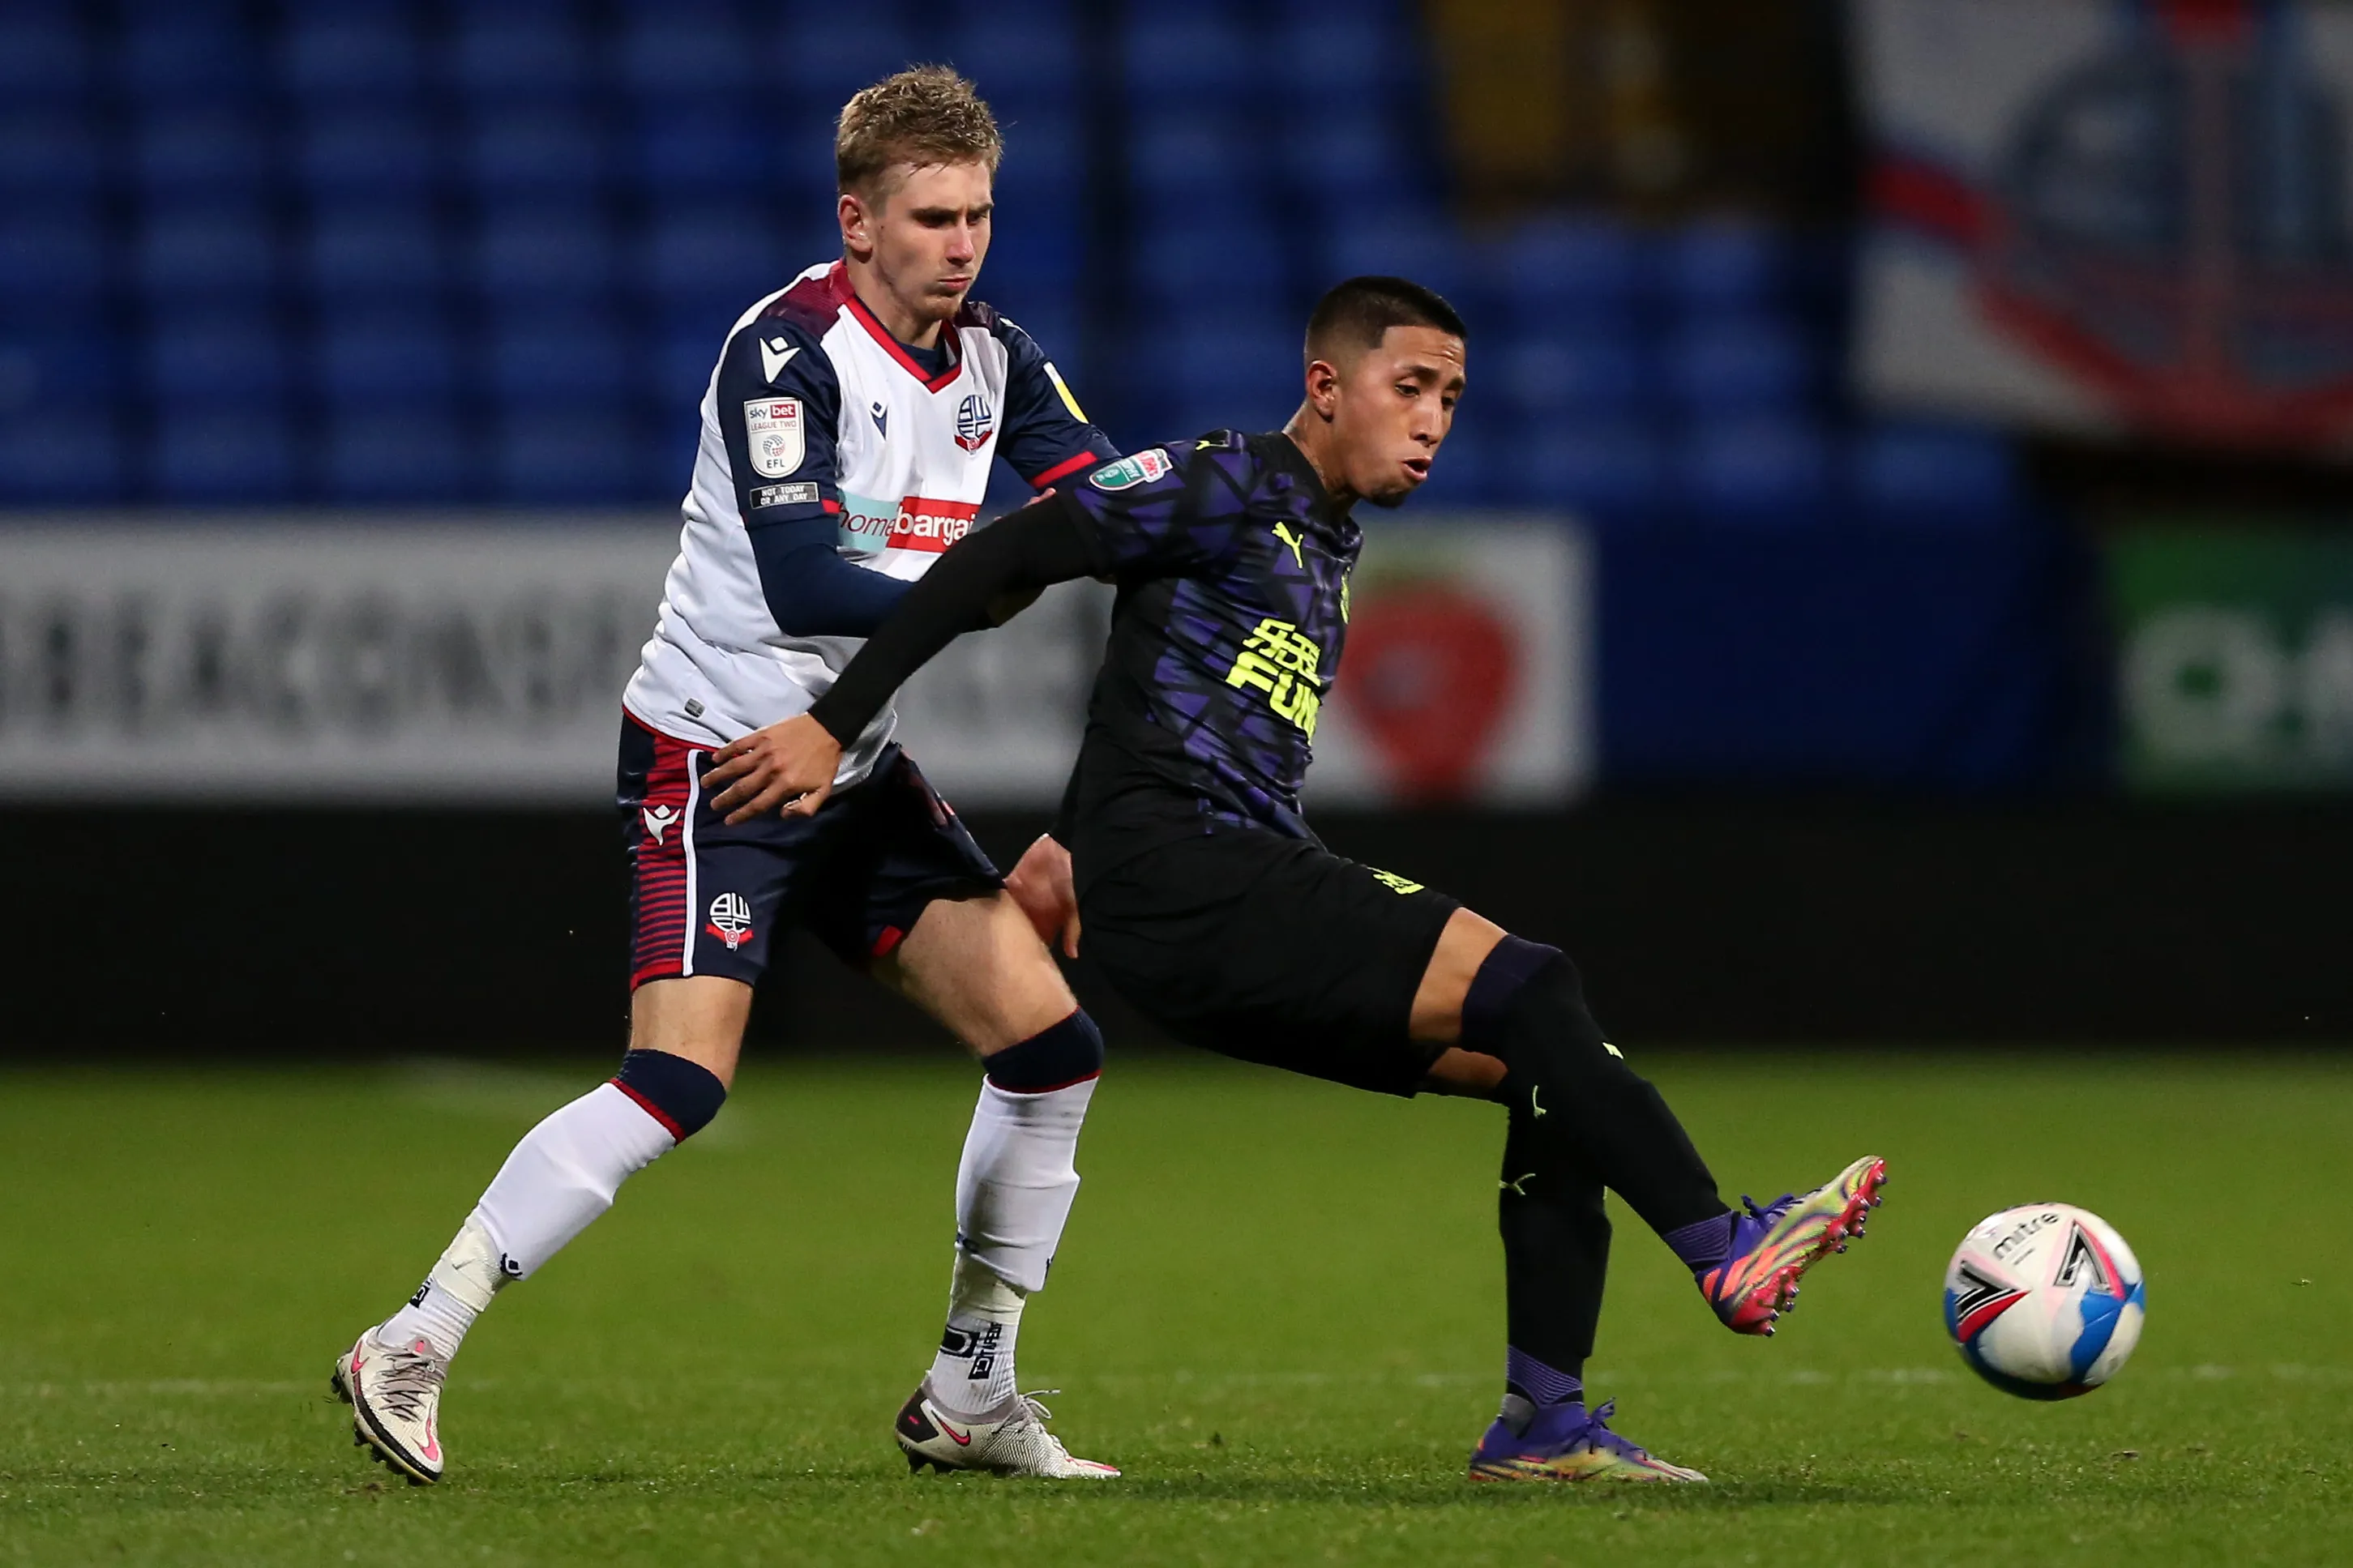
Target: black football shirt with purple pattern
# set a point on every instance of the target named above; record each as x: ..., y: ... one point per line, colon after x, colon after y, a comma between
x: 1232, y: 566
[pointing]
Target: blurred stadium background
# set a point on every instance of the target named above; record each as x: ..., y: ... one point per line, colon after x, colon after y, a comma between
x: 1889, y: 581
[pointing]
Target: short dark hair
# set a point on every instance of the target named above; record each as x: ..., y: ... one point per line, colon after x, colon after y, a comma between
x: 1357, y: 314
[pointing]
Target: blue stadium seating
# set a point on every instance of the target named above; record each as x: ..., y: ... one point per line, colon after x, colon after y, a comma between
x: 1199, y: 163
x: 532, y: 256
x: 1191, y: 57
x: 553, y: 362
x: 198, y: 149
x: 52, y: 364
x: 373, y: 149
x: 374, y: 250
x: 571, y: 451
x: 46, y: 154
x: 1726, y: 266
x: 331, y: 56
x: 1740, y: 363
x: 1571, y: 267
x: 1192, y: 268
x: 374, y: 453
x: 683, y: 53
x: 53, y: 457
x: 1332, y: 58
x: 387, y: 357
x: 1762, y: 470
x: 1473, y: 469
x: 715, y: 252
x: 696, y: 150
x: 1602, y: 370
x: 52, y: 257
x: 216, y: 250
x: 1610, y: 469
x: 532, y: 150
x: 187, y: 54
x: 506, y: 53
x: 210, y: 454
x: 1404, y: 242
x: 1345, y: 162
x: 1916, y: 472
x: 818, y: 60
x: 1022, y: 64
x: 44, y: 54
x: 204, y: 359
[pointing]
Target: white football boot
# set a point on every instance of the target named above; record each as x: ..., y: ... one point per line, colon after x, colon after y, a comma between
x: 1012, y: 1442
x: 395, y: 1392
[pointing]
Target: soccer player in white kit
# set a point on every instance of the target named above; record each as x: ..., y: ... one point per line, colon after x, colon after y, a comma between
x: 847, y: 433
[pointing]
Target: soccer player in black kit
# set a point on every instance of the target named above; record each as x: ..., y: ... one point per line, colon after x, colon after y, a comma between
x: 1211, y: 907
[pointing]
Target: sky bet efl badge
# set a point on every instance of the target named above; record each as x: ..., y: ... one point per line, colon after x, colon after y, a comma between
x: 773, y: 427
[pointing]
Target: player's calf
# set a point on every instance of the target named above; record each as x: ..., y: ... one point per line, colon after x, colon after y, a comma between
x: 565, y: 1173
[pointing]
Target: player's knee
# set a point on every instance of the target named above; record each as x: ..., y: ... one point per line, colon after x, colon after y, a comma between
x: 683, y: 1096
x: 1055, y: 1058
x: 1526, y: 1005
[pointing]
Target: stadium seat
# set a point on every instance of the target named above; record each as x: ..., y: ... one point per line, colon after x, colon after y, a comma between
x: 824, y: 52
x: 213, y: 250
x: 687, y: 149
x: 1034, y: 257
x: 1186, y: 269
x: 1571, y: 267
x: 1337, y: 58
x: 1046, y: 159
x: 210, y: 454
x: 331, y: 56
x: 684, y: 54
x: 533, y: 150
x: 1227, y: 368
x: 1343, y: 162
x: 371, y: 150
x: 179, y: 55
x: 1025, y: 63
x: 543, y: 254
x: 1612, y: 469
x: 1602, y: 370
x: 197, y: 149
x: 374, y: 453
x: 216, y: 357
x: 49, y: 362
x: 1425, y: 246
x: 1760, y: 469
x: 44, y: 55
x: 1200, y: 167
x: 51, y: 456
x: 716, y: 252
x: 1740, y: 363
x: 683, y: 356
x: 1910, y: 472
x: 575, y: 451
x: 384, y: 357
x: 50, y: 255
x: 379, y: 251
x: 1726, y: 265
x: 505, y: 53
x: 1191, y: 58
x: 46, y: 154
x: 549, y: 360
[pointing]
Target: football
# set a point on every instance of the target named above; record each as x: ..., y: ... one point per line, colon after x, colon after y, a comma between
x: 2045, y: 1301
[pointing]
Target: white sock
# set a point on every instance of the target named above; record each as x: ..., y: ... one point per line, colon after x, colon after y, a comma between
x: 561, y: 1175
x: 1014, y: 1189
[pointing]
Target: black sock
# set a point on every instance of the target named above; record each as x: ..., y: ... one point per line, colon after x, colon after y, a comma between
x: 1528, y: 1007
x: 1556, y: 1232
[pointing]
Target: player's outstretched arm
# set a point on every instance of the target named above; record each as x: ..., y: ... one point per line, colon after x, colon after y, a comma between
x: 791, y: 765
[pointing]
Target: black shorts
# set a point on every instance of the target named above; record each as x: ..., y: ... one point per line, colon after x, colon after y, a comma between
x: 708, y: 899
x: 1271, y: 948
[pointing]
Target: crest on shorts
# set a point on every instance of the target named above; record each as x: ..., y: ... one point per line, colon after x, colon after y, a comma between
x: 779, y: 437
x: 731, y: 920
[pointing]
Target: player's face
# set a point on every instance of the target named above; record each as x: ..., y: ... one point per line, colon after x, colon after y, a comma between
x: 1394, y: 405
x: 926, y: 237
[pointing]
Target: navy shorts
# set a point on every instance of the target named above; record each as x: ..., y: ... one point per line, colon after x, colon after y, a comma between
x: 708, y: 899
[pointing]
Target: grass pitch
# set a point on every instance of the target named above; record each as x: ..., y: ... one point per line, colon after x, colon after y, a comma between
x: 1278, y: 1306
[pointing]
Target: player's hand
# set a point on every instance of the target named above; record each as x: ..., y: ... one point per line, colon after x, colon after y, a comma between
x: 786, y: 768
x: 1041, y: 885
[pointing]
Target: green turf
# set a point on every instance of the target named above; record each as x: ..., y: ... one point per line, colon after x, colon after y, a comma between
x: 1278, y: 1306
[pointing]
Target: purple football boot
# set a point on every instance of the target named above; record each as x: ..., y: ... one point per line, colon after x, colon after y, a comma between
x: 1568, y: 1442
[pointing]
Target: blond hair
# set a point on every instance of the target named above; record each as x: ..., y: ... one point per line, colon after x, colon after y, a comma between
x: 923, y: 115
